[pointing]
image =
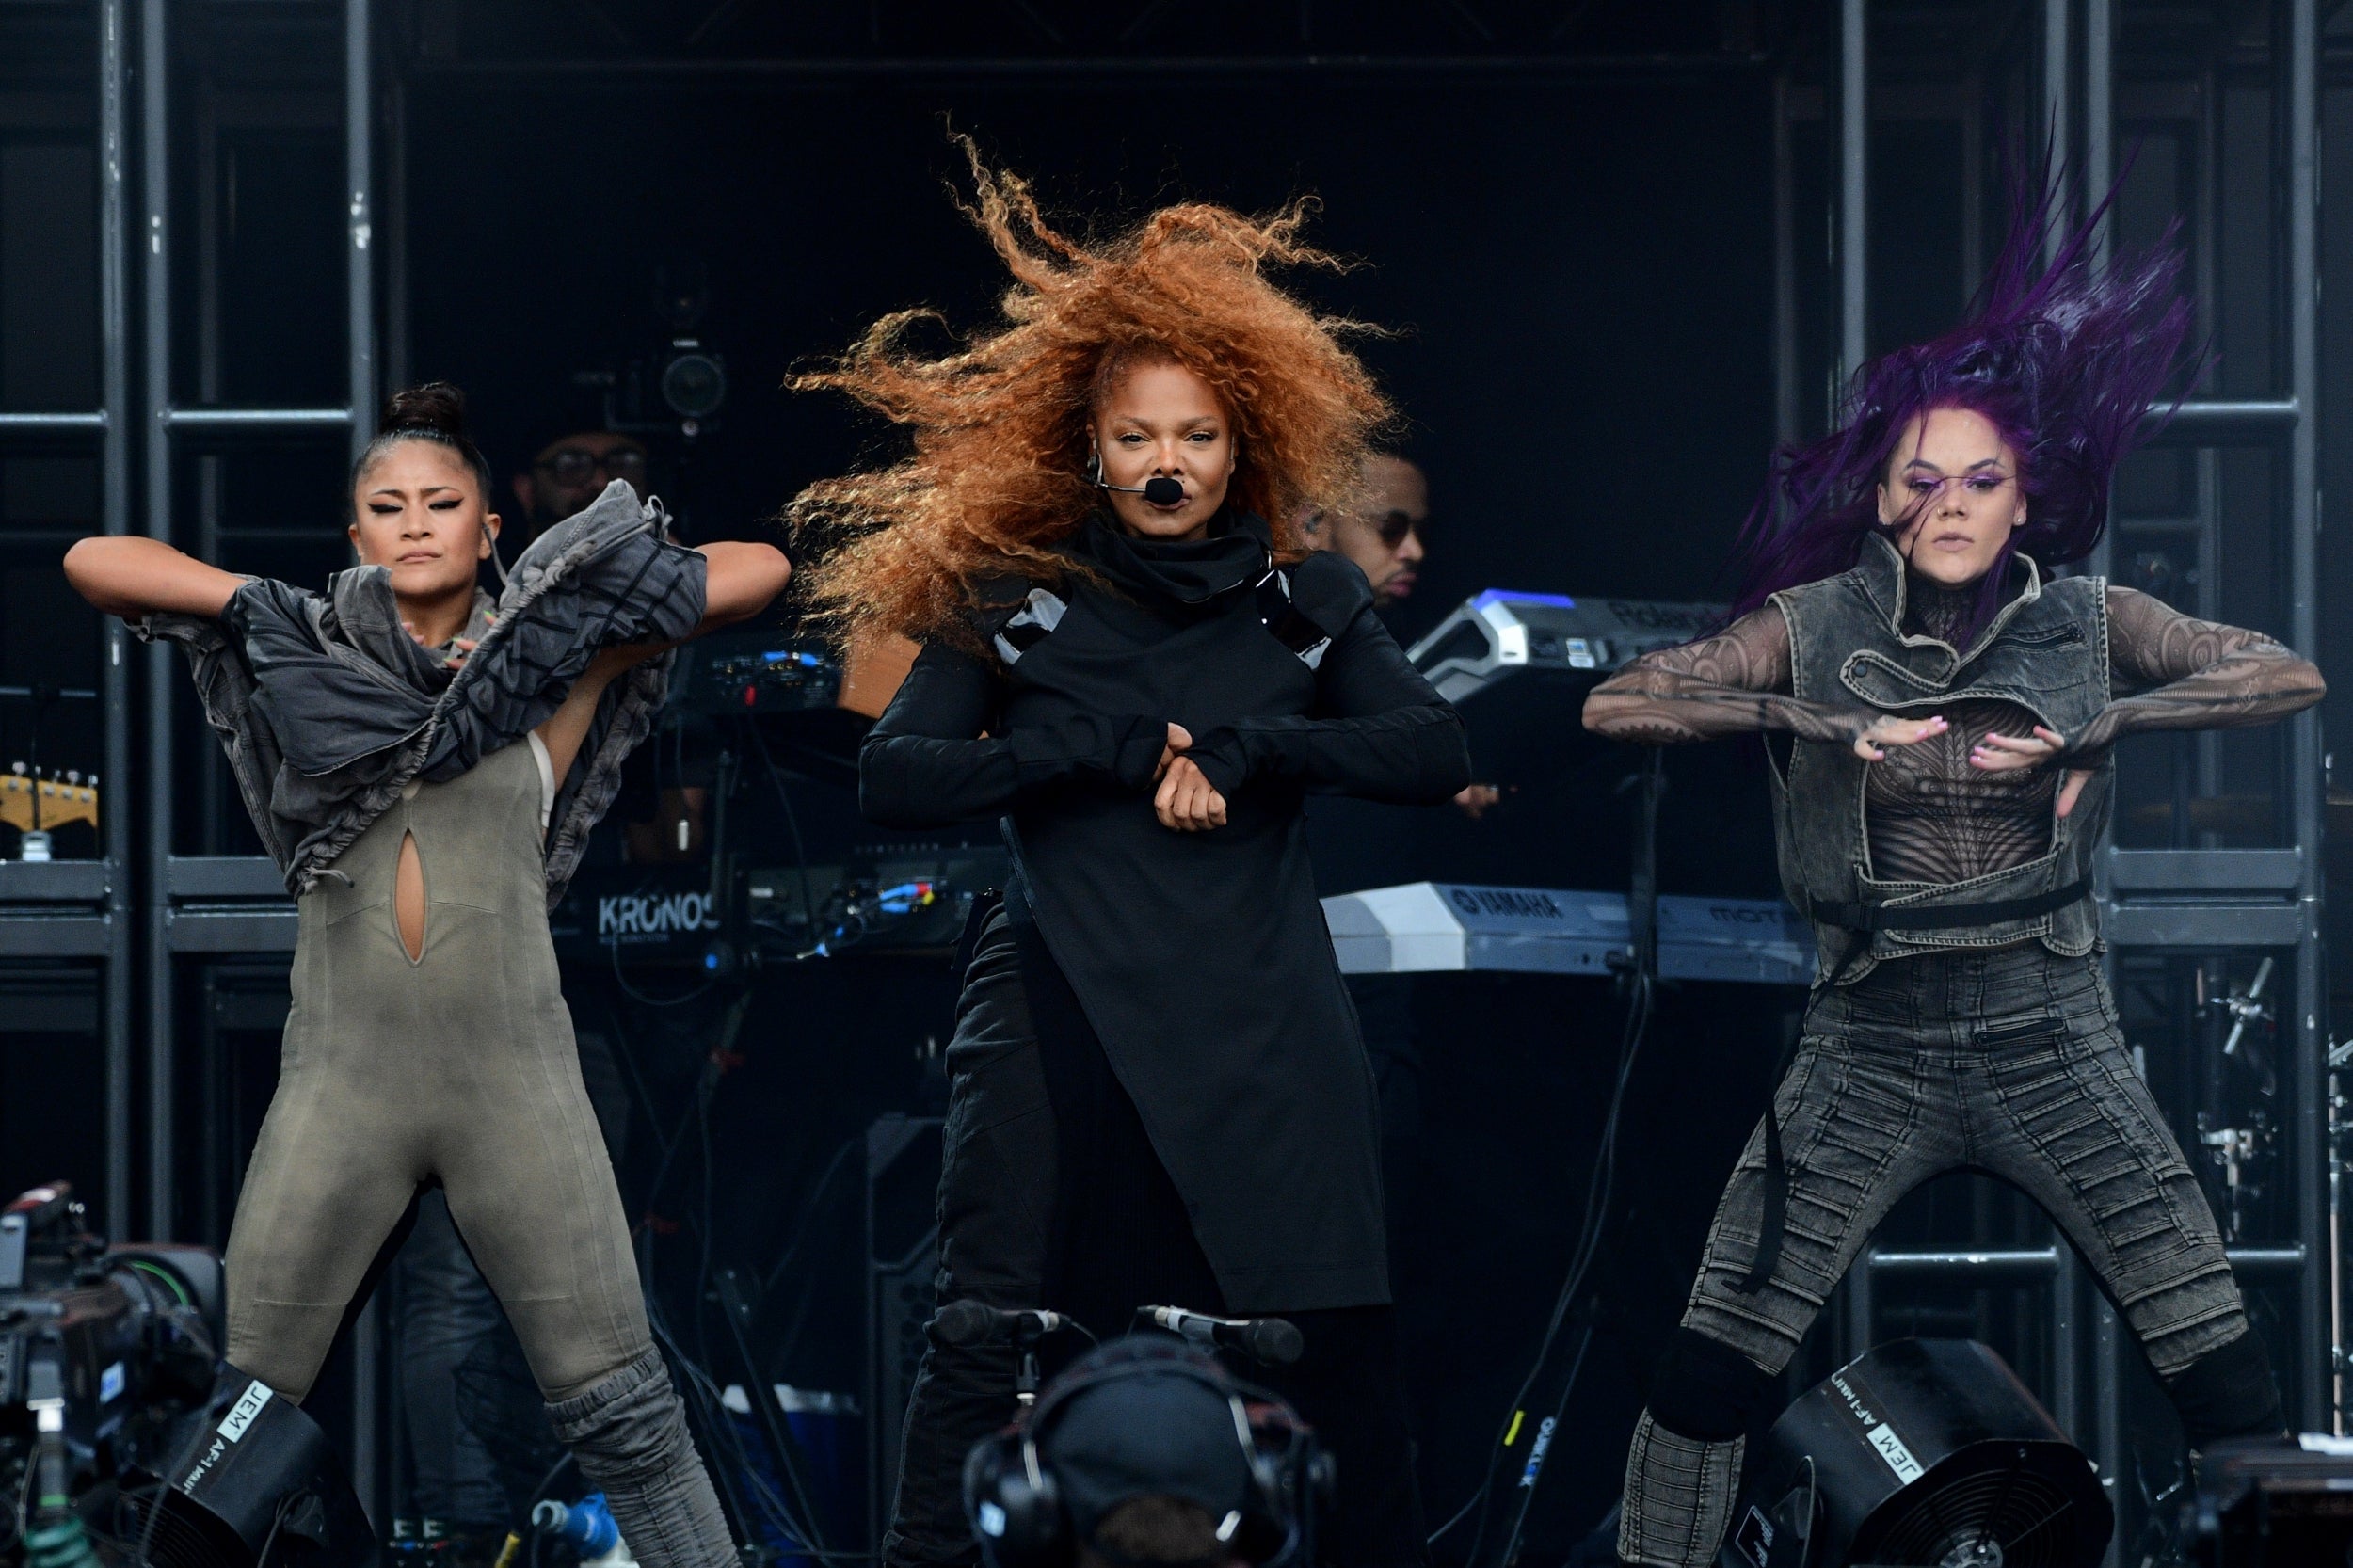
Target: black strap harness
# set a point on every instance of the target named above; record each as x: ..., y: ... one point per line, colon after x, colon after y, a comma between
x: 1880, y: 917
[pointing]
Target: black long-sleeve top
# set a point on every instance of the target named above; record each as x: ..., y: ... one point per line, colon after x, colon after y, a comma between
x: 1200, y: 959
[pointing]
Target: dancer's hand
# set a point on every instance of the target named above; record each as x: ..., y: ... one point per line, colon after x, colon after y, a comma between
x: 462, y: 645
x: 2009, y: 753
x: 1187, y: 802
x: 1476, y: 800
x: 1180, y: 739
x: 1889, y: 730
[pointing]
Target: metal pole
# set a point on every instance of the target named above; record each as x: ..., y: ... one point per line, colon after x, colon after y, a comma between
x: 120, y: 1208
x: 2304, y: 762
x: 154, y: 45
x: 2067, y: 1393
x: 1861, y: 1306
x: 358, y: 183
x: 2099, y: 162
x: 2100, y: 116
x: 1855, y: 132
x: 2058, y: 102
x: 2107, y: 1354
x: 1785, y: 271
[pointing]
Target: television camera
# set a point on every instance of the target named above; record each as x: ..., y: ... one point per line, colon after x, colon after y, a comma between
x: 127, y: 1438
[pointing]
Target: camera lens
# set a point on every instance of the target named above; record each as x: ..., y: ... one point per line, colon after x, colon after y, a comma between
x: 694, y: 385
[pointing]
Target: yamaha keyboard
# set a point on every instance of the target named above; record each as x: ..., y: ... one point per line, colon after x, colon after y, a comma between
x: 1436, y: 927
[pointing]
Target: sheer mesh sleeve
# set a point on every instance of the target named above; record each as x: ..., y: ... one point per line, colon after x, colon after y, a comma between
x: 2189, y: 674
x: 1736, y: 682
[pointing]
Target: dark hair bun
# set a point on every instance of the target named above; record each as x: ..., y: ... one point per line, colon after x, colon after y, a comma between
x: 433, y: 412
x: 435, y: 409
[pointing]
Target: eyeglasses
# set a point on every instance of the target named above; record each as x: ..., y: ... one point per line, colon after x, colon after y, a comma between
x: 1394, y: 526
x: 577, y: 465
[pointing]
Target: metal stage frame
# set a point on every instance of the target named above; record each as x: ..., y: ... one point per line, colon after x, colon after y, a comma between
x: 134, y: 914
x: 2190, y: 903
x: 141, y: 908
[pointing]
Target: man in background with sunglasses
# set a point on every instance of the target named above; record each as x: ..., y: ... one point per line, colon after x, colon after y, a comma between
x: 1384, y: 537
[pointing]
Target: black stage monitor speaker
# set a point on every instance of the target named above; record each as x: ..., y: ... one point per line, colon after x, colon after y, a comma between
x: 2264, y: 1503
x: 255, y: 1483
x: 1927, y: 1453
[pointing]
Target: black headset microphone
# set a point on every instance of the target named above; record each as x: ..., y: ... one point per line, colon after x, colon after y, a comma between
x: 1160, y: 491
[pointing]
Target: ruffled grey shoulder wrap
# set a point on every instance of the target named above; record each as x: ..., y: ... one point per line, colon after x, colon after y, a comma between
x: 326, y: 705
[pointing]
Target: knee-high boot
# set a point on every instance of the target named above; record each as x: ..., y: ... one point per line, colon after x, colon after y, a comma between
x: 1679, y: 1496
x: 628, y: 1436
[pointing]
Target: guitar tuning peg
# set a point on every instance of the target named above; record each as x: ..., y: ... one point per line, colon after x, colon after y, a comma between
x: 74, y: 775
x: 16, y: 768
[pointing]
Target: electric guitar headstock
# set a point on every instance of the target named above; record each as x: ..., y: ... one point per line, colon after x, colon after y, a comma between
x: 30, y: 800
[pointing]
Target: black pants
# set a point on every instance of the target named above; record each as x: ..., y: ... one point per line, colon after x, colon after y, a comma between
x: 1004, y: 1242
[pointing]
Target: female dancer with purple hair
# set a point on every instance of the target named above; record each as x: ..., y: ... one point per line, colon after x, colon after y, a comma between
x: 1951, y: 711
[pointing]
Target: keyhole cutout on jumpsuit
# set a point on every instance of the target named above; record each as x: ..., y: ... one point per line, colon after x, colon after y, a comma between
x: 408, y: 899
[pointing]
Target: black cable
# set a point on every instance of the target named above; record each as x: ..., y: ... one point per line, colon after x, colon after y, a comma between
x: 706, y: 1398
x: 719, y: 1425
x: 1559, y: 1409
x: 613, y: 946
x: 1640, y: 994
x: 627, y: 1055
x: 1598, y: 1191
x: 809, y: 1212
x: 1641, y: 928
x: 702, y: 1259
x: 792, y: 823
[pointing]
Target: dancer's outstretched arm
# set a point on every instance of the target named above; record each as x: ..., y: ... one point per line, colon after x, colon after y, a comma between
x: 1736, y: 682
x: 124, y: 574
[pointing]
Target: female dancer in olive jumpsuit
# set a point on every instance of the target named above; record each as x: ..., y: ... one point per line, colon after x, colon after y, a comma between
x: 402, y: 743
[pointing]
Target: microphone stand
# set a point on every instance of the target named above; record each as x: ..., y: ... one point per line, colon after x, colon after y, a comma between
x: 1638, y: 972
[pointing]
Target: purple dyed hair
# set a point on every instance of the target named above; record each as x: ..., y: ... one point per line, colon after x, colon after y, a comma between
x: 2064, y: 359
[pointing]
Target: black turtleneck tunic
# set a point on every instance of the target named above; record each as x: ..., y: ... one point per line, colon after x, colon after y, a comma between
x: 1200, y: 959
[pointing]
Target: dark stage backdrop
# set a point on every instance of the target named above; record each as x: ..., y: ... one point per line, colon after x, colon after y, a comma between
x: 1577, y: 274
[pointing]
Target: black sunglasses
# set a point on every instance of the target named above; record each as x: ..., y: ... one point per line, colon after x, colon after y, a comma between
x: 1394, y: 526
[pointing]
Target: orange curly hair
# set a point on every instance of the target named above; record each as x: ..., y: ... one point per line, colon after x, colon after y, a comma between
x: 999, y: 473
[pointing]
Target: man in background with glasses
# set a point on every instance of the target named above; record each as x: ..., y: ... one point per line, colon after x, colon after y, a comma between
x: 572, y: 471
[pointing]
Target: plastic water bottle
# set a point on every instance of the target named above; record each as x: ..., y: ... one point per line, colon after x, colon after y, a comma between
x: 588, y: 1525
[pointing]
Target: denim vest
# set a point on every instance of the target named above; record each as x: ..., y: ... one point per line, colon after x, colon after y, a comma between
x: 2046, y: 650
